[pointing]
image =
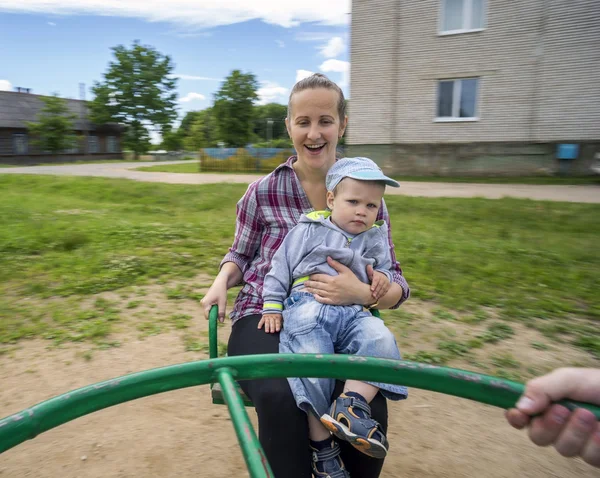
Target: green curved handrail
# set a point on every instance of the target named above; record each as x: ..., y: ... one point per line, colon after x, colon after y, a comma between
x: 212, y: 332
x: 46, y: 415
x: 56, y: 411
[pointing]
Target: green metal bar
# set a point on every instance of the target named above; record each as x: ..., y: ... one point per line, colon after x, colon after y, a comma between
x: 256, y: 461
x: 213, y: 347
x: 30, y: 422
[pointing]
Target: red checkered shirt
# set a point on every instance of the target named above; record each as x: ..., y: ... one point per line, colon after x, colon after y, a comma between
x: 268, y: 210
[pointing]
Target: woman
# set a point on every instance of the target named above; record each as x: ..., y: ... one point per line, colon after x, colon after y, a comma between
x: 268, y: 210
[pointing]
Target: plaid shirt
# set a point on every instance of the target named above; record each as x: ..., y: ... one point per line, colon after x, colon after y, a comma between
x: 265, y: 214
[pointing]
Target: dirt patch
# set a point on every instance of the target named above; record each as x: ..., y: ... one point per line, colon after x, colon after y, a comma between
x: 181, y: 434
x: 514, y: 351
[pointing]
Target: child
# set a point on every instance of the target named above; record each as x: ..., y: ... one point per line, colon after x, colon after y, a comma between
x: 348, y: 234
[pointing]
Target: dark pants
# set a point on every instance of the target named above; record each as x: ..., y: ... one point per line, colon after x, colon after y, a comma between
x: 282, y: 426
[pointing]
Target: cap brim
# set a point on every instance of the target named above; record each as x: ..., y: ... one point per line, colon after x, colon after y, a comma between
x: 373, y: 176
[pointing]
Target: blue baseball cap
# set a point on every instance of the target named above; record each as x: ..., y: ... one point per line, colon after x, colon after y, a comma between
x: 363, y: 169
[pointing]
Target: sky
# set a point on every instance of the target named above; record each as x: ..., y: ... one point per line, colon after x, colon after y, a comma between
x: 51, y: 46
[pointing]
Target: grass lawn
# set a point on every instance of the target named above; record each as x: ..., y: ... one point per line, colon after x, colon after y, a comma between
x: 544, y: 180
x: 98, y: 161
x: 83, y: 161
x: 193, y: 167
x: 82, y: 257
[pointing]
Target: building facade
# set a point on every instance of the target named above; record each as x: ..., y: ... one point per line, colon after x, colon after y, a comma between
x: 474, y: 86
x: 17, y: 146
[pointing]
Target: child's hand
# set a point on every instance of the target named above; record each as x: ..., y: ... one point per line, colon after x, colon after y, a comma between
x: 379, y: 285
x: 272, y: 323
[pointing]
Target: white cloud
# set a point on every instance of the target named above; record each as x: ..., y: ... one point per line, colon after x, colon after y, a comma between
x: 190, y: 34
x: 194, y: 77
x: 338, y: 66
x: 5, y: 85
x: 301, y: 74
x: 270, y: 92
x: 313, y: 36
x: 334, y: 47
x: 208, y: 13
x: 52, y: 24
x: 192, y: 97
x: 280, y: 43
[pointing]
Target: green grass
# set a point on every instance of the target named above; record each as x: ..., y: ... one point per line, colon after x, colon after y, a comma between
x: 193, y: 167
x: 543, y: 180
x: 67, y: 238
x: 433, y: 358
x: 496, y: 332
x: 52, y: 163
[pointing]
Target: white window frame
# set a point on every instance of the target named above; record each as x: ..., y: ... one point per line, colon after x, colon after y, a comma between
x: 25, y: 144
x: 467, y: 17
x: 456, y: 95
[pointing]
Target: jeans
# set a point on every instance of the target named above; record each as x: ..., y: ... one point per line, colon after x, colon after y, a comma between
x: 289, y: 453
x: 310, y: 327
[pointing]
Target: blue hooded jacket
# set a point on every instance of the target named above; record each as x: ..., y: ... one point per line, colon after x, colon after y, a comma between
x: 305, y: 249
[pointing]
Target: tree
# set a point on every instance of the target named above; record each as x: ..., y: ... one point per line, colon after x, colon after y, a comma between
x: 275, y: 113
x: 139, y: 92
x: 234, y: 108
x: 186, y: 122
x: 199, y: 130
x: 196, y: 137
x: 53, y: 130
x: 172, y: 140
x: 137, y: 138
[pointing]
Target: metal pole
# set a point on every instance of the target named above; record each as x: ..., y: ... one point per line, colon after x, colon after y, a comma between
x: 84, y: 118
x: 269, y: 131
x: 51, y: 413
x: 212, y: 333
x: 256, y: 461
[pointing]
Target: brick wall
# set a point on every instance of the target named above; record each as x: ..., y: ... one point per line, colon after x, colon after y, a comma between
x: 538, y: 60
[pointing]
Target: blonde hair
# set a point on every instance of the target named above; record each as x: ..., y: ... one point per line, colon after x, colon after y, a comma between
x: 318, y: 80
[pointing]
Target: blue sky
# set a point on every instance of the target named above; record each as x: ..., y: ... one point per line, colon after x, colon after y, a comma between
x: 53, y: 45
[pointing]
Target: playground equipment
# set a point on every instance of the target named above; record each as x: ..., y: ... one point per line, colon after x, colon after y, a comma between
x: 31, y: 422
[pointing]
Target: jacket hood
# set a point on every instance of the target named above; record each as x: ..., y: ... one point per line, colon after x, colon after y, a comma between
x: 323, y: 218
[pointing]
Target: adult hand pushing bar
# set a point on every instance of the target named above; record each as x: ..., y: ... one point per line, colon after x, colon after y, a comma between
x: 572, y: 433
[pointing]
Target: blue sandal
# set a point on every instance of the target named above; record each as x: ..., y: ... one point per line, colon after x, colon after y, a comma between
x: 350, y: 419
x: 327, y: 463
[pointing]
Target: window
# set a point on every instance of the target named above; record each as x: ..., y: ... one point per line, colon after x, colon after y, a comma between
x: 111, y: 144
x: 20, y: 143
x: 72, y: 150
x: 460, y: 16
x: 457, y: 100
x: 5, y: 146
x: 93, y: 144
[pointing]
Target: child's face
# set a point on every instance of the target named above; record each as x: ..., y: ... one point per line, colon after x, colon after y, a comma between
x: 355, y: 205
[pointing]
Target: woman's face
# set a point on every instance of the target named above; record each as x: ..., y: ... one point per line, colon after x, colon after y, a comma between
x: 315, y: 126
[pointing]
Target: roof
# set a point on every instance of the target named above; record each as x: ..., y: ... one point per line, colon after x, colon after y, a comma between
x: 18, y: 108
